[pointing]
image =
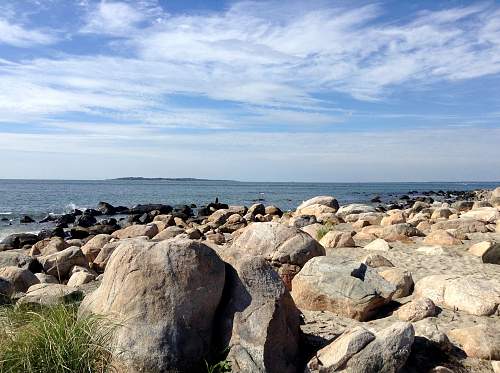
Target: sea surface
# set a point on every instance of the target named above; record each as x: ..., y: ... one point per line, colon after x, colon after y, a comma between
x: 37, y: 198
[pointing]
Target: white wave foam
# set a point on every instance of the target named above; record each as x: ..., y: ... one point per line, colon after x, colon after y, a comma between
x: 6, y: 213
x: 70, y: 207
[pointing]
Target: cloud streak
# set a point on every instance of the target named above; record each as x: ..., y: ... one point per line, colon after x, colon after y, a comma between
x: 18, y: 36
x: 129, y: 77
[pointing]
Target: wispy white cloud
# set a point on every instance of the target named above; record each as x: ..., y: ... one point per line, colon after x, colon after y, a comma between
x: 257, y: 66
x: 264, y: 55
x: 119, y: 18
x: 19, y: 36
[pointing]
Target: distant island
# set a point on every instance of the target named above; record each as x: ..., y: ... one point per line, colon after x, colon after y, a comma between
x: 138, y: 178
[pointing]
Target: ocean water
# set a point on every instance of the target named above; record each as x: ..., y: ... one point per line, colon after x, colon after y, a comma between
x: 37, y: 198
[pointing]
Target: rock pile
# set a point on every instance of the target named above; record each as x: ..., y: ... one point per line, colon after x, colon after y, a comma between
x: 411, y: 286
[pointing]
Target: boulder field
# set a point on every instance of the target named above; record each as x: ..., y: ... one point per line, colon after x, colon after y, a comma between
x: 408, y: 287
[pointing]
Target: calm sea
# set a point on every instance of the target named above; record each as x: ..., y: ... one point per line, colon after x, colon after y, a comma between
x: 37, y: 198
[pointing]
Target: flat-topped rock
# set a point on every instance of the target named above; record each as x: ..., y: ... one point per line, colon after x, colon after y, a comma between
x: 337, y: 239
x: 479, y: 341
x: 379, y: 245
x: 441, y: 237
x: 488, y: 251
x: 326, y: 201
x: 341, y: 286
x: 51, y: 294
x: 136, y: 230
x: 470, y: 294
x: 20, y: 278
x: 484, y: 214
x: 354, y: 208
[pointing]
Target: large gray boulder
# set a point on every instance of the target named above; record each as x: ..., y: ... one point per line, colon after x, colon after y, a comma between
x: 328, y: 201
x: 59, y: 264
x: 463, y: 225
x: 354, y: 208
x: 258, y: 321
x: 165, y: 294
x: 6, y: 290
x: 93, y: 247
x: 334, y: 356
x: 18, y: 241
x: 475, y: 296
x: 387, y: 353
x: 16, y: 258
x: 358, y: 350
x: 341, y: 286
x: 21, y: 278
x: 51, y: 294
x: 488, y: 251
x: 286, y: 248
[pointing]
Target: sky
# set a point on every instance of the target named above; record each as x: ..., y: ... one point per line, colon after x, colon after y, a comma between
x: 311, y: 90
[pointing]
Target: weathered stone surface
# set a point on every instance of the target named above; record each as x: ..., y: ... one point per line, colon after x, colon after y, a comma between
x: 51, y: 294
x: 334, y: 356
x: 337, y: 239
x: 462, y: 224
x: 16, y: 258
x: 387, y: 353
x: 442, y: 212
x: 441, y: 238
x: 79, y: 278
x: 277, y: 243
x: 256, y: 209
x: 401, y: 279
x: 327, y: 201
x: 312, y: 229
x: 169, y: 232
x: 378, y: 244
x: 341, y: 286
x: 300, y: 221
x: 395, y: 217
x: 166, y: 294
x: 18, y: 241
x: 428, y: 328
x: 48, y: 246
x: 433, y: 287
x: 46, y: 279
x: 479, y: 341
x: 475, y: 296
x: 258, y: 319
x: 495, y: 364
x: 92, y: 248
x: 354, y: 208
x: 397, y: 231
x: 6, y: 290
x: 148, y: 230
x: 59, y: 264
x: 376, y: 261
x: 217, y: 238
x: 484, y: 214
x: 20, y: 278
x: 462, y: 205
x: 488, y: 251
x: 472, y: 295
x: 416, y: 310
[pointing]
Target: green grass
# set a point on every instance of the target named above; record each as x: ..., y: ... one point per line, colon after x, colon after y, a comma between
x: 220, y: 367
x: 218, y: 362
x: 324, y: 230
x: 53, y: 339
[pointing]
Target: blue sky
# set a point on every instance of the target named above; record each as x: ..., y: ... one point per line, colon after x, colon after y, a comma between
x: 262, y: 90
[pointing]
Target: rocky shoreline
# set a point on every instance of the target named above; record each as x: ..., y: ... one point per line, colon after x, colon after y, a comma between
x: 409, y: 285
